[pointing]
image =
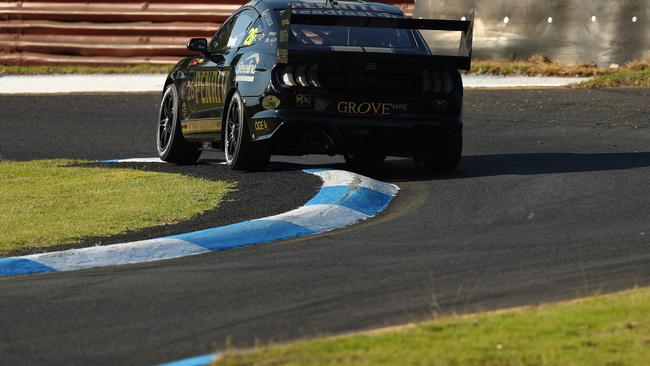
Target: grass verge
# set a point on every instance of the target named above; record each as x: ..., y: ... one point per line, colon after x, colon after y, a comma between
x: 83, y: 69
x: 632, y: 74
x: 622, y: 78
x: 603, y: 330
x: 46, y: 202
x: 536, y: 65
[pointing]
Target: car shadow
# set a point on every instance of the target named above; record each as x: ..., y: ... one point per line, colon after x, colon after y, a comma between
x: 476, y: 166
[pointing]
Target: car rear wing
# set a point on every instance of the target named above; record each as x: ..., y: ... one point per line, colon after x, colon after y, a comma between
x: 462, y: 61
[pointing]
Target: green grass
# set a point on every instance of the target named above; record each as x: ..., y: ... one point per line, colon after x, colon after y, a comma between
x: 45, y: 203
x: 82, y: 69
x: 623, y: 78
x: 604, y: 330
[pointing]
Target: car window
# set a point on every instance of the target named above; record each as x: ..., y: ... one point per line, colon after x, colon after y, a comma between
x: 233, y: 33
x: 319, y: 35
x: 240, y: 29
x: 221, y: 38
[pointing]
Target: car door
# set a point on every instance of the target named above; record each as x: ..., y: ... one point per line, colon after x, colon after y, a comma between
x: 209, y: 79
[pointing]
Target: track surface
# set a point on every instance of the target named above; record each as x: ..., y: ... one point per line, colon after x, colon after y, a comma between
x: 552, y: 201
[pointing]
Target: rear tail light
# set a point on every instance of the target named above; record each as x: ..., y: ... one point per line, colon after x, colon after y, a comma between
x: 299, y: 75
x: 286, y: 76
x: 312, y: 74
x: 426, y: 80
x: 448, y: 83
x: 435, y: 81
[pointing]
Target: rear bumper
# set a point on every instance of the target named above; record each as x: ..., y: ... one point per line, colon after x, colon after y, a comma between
x: 298, y: 132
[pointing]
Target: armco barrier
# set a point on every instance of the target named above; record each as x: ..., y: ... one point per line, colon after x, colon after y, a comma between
x: 110, y: 32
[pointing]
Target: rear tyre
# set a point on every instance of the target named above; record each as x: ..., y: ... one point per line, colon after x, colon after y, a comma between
x: 241, y: 152
x: 442, y: 152
x: 364, y: 160
x: 172, y: 147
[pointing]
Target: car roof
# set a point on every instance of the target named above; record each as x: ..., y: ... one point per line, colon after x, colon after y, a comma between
x: 262, y: 5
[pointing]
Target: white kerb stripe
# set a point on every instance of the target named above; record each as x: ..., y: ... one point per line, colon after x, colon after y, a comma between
x: 117, y: 254
x: 141, y: 160
x: 343, y: 178
x: 321, y: 218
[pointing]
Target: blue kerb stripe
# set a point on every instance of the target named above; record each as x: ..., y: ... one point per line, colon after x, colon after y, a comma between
x: 20, y: 266
x: 362, y: 199
x: 194, y: 361
x: 244, y: 233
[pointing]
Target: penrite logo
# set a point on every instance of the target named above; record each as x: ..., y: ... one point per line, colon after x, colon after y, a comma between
x: 383, y: 109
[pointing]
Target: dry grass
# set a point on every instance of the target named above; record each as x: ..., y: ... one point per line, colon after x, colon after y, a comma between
x: 632, y: 74
x: 84, y: 69
x: 540, y: 66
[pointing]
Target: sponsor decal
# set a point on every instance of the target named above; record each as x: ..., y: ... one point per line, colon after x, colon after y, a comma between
x: 266, y: 14
x: 303, y: 100
x: 347, y: 13
x: 206, y: 88
x: 346, y: 9
x: 245, y: 70
x: 440, y: 106
x: 261, y: 125
x: 337, y: 6
x: 197, y: 61
x: 252, y: 36
x: 373, y: 108
x: 270, y: 102
x: 271, y: 38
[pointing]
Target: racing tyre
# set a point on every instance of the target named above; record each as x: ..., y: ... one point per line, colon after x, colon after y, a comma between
x: 241, y: 152
x: 441, y: 154
x: 364, y: 160
x: 172, y: 147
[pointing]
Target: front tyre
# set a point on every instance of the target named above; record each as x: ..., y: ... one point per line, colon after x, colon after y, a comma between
x: 172, y: 147
x: 241, y: 152
x: 441, y: 153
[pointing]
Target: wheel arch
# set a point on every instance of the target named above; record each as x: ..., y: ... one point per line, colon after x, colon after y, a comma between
x: 168, y: 82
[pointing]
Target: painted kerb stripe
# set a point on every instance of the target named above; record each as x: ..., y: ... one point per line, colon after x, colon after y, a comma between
x: 344, y: 199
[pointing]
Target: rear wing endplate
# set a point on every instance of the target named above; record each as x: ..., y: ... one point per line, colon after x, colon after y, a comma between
x: 462, y: 61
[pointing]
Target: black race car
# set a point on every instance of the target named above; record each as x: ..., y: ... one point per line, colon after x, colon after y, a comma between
x: 317, y: 77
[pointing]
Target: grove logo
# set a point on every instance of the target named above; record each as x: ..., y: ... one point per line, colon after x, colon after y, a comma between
x: 382, y: 109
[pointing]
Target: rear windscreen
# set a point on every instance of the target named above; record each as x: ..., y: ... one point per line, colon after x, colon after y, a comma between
x: 320, y: 35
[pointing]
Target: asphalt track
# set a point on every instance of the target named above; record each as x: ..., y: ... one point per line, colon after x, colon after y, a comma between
x: 551, y: 201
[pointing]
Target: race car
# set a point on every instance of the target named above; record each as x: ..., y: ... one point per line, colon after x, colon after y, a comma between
x: 349, y: 78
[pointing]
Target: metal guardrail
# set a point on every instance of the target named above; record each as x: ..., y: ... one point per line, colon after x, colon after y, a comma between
x: 110, y: 32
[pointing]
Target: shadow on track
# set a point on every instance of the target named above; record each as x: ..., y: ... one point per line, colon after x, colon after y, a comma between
x: 477, y: 166
x: 515, y: 164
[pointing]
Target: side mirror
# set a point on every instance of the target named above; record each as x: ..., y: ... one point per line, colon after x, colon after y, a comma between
x: 198, y: 45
